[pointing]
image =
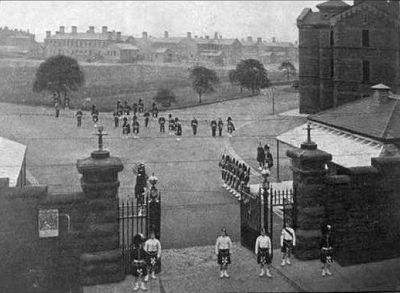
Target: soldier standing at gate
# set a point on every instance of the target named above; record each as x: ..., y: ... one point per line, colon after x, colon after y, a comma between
x: 326, y: 250
x: 288, y: 242
x: 161, y: 121
x: 222, y: 250
x: 138, y: 264
x: 263, y: 250
x: 153, y: 250
x: 213, y: 127
x: 194, y: 125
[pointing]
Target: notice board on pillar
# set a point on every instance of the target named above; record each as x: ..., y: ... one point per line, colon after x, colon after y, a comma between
x: 48, y: 223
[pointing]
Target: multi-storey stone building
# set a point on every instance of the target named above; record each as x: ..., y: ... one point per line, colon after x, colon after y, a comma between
x: 88, y: 45
x: 345, y: 49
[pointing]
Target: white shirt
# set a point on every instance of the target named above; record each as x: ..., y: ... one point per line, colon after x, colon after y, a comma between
x: 263, y: 242
x: 153, y: 245
x: 223, y: 242
x: 286, y: 236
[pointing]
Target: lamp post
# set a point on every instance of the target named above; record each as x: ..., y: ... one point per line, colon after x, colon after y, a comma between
x: 100, y: 133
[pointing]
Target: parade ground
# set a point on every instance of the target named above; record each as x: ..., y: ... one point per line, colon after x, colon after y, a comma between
x: 194, y: 206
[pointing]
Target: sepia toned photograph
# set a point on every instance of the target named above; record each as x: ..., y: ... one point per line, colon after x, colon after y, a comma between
x: 199, y: 146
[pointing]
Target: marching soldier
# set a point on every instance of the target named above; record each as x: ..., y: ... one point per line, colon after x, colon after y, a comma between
x: 220, y: 126
x: 116, y: 118
x: 79, y: 115
x: 269, y: 160
x: 288, y: 242
x: 326, y: 250
x: 127, y: 108
x: 194, y: 123
x: 171, y: 124
x: 161, y: 121
x: 126, y: 128
x: 230, y: 126
x: 213, y: 127
x: 154, y: 110
x: 135, y: 126
x: 146, y: 118
x: 135, y: 108
x: 138, y: 263
x: 141, y: 106
x: 57, y: 107
x: 222, y: 250
x: 263, y: 251
x: 153, y: 249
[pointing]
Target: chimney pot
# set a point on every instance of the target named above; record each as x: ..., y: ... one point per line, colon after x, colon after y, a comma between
x: 166, y: 34
x: 381, y: 92
x: 62, y: 29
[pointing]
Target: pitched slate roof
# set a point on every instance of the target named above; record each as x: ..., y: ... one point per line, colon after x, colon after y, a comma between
x: 367, y: 117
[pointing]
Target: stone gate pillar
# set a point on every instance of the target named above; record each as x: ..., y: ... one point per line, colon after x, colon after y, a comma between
x: 101, y: 258
x: 309, y: 171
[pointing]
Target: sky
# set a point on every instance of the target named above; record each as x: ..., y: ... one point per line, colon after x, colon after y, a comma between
x: 237, y: 19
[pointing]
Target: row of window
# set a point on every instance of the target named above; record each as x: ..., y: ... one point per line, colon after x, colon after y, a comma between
x: 364, y: 38
x: 77, y: 43
x: 365, y: 70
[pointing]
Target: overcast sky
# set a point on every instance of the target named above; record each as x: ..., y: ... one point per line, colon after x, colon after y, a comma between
x: 264, y: 19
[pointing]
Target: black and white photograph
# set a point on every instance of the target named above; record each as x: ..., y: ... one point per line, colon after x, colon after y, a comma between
x: 199, y: 146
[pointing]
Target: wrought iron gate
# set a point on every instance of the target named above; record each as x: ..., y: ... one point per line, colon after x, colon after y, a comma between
x: 135, y: 218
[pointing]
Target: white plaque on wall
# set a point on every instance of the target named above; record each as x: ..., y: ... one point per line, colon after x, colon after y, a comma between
x: 48, y: 223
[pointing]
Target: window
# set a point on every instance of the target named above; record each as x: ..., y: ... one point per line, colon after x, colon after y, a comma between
x: 332, y: 68
x: 365, y: 38
x: 332, y: 38
x: 366, y: 70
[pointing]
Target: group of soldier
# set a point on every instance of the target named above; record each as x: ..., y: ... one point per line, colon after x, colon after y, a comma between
x: 235, y: 175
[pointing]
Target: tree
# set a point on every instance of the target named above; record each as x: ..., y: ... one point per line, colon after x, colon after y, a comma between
x: 165, y: 97
x: 203, y: 80
x: 59, y: 75
x: 288, y: 68
x: 251, y: 74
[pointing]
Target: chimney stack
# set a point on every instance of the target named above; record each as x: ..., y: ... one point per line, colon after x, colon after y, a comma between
x: 259, y: 40
x: 62, y: 29
x: 166, y: 34
x: 216, y: 35
x: 119, y: 37
x: 207, y: 37
x: 381, y: 92
x: 273, y: 40
x: 249, y: 39
x: 189, y: 35
x: 144, y: 35
x: 91, y: 29
x: 74, y: 30
x: 48, y: 34
x: 104, y: 29
x: 109, y: 35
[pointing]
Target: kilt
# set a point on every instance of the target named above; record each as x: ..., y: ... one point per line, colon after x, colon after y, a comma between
x: 152, y: 259
x: 326, y: 255
x: 263, y: 256
x: 224, y: 257
x: 138, y: 268
x: 287, y: 246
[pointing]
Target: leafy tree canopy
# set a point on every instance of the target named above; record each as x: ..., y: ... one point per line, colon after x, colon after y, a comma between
x: 288, y: 68
x: 203, y: 80
x: 165, y: 97
x: 59, y: 74
x: 250, y: 74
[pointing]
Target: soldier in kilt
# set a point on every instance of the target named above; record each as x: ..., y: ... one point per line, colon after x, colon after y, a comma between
x: 263, y: 251
x: 326, y: 250
x: 222, y: 250
x: 288, y: 242
x: 138, y: 266
x: 171, y: 124
x: 126, y: 128
x: 153, y: 251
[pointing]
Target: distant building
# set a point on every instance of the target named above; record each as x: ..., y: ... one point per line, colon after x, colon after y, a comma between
x: 344, y: 50
x: 19, y: 44
x: 12, y: 163
x: 121, y: 52
x: 83, y: 46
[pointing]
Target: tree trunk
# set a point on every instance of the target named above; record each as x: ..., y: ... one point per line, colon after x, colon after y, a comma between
x: 199, y: 98
x: 241, y: 90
